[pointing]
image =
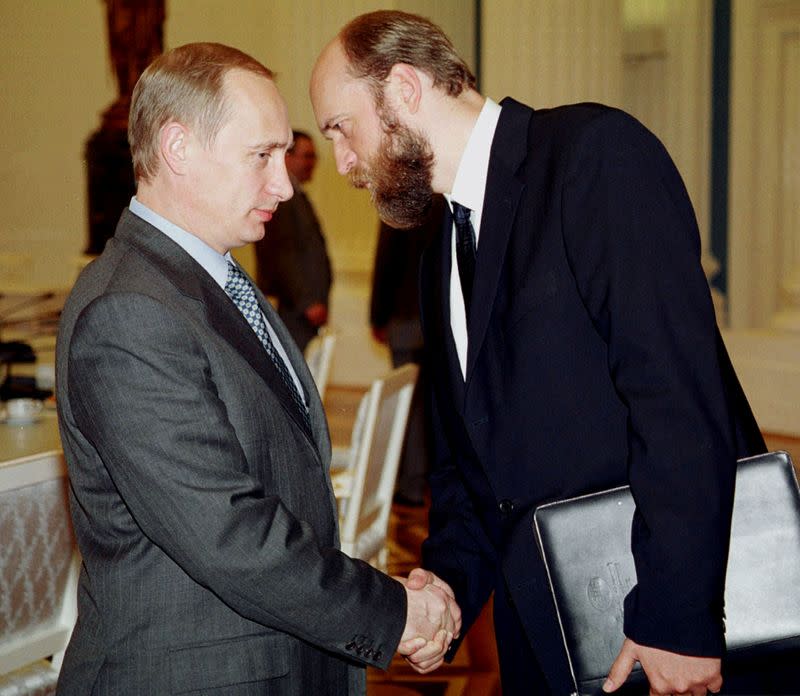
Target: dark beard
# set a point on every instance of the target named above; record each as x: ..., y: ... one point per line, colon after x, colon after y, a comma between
x: 400, y: 177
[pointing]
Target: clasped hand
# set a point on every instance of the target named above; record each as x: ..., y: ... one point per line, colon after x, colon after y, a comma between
x: 433, y: 620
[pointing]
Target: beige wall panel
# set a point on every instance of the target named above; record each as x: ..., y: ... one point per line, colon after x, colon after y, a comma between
x: 667, y: 85
x: 779, y: 186
x: 742, y: 235
x: 789, y: 206
x: 547, y: 53
x: 687, y: 135
x: 763, y: 220
x: 55, y: 80
x: 762, y: 232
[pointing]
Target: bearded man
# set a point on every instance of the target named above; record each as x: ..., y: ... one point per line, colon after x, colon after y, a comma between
x: 570, y: 338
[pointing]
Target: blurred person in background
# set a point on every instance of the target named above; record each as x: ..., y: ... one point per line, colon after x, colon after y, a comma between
x: 292, y: 258
x: 394, y: 317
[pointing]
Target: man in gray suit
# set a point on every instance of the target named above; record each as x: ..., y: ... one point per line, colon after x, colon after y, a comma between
x: 196, y: 443
x: 293, y: 263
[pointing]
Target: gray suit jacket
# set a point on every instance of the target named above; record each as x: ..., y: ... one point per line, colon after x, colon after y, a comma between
x: 201, y: 501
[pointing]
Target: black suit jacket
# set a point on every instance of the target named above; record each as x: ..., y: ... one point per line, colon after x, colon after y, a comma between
x: 594, y: 360
x: 293, y: 263
x: 395, y: 275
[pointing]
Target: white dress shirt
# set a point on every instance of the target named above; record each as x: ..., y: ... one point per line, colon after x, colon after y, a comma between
x: 469, y: 189
x: 214, y: 263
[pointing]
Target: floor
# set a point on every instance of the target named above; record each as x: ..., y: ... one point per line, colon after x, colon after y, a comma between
x: 474, y: 670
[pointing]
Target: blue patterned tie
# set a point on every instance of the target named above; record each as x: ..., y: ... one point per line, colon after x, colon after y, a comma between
x: 241, y: 291
x: 465, y: 252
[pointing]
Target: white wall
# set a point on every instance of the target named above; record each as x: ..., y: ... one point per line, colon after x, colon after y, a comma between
x: 55, y: 78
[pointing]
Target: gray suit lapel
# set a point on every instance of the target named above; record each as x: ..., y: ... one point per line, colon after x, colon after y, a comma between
x: 191, y: 279
x: 319, y: 423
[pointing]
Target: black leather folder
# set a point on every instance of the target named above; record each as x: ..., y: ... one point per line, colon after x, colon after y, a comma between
x: 585, y: 543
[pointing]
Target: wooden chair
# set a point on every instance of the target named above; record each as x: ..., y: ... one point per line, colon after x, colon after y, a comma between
x: 365, y: 485
x: 318, y: 355
x: 39, y: 567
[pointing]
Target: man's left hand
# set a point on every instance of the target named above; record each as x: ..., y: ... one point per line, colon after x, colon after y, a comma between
x: 667, y: 672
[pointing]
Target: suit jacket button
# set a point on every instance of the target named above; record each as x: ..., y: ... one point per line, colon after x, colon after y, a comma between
x: 350, y: 645
x: 368, y: 653
x: 506, y: 507
x: 378, y: 655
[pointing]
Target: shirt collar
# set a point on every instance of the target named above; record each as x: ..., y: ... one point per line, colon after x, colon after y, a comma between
x: 469, y: 186
x: 215, y: 264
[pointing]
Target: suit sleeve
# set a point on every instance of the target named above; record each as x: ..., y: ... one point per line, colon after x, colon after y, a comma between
x: 633, y: 246
x: 142, y: 391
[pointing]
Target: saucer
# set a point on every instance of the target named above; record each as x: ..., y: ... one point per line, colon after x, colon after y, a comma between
x: 21, y: 420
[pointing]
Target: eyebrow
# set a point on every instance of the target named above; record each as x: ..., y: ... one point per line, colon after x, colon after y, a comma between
x: 331, y: 121
x: 272, y: 145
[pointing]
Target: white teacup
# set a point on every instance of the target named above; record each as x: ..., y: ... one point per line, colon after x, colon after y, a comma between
x: 23, y: 409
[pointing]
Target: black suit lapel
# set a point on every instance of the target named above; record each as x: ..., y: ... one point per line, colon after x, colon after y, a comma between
x: 503, y: 192
x: 192, y: 280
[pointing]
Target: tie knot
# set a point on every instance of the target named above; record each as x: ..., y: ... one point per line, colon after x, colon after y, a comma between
x: 235, y: 282
x: 461, y: 213
x: 233, y: 272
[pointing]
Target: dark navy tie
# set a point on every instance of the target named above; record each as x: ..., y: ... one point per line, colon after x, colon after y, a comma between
x: 240, y: 290
x: 465, y: 252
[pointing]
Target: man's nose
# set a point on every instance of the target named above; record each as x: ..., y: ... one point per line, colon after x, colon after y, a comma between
x: 345, y: 158
x: 280, y: 185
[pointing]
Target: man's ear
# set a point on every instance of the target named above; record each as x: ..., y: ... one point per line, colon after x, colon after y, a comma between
x: 174, y: 146
x: 404, y: 87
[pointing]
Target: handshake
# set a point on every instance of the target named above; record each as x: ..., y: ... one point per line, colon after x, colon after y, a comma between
x: 433, y: 620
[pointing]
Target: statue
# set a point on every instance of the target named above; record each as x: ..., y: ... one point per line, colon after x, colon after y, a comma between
x: 135, y: 38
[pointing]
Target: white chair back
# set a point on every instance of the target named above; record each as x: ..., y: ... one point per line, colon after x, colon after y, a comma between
x: 39, y: 567
x: 373, y: 471
x: 318, y: 355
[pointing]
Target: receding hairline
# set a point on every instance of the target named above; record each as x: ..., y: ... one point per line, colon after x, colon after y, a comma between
x: 227, y: 95
x: 321, y: 73
x: 374, y: 42
x: 188, y: 85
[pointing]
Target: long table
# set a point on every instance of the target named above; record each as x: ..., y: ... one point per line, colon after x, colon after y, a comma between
x: 32, y: 438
